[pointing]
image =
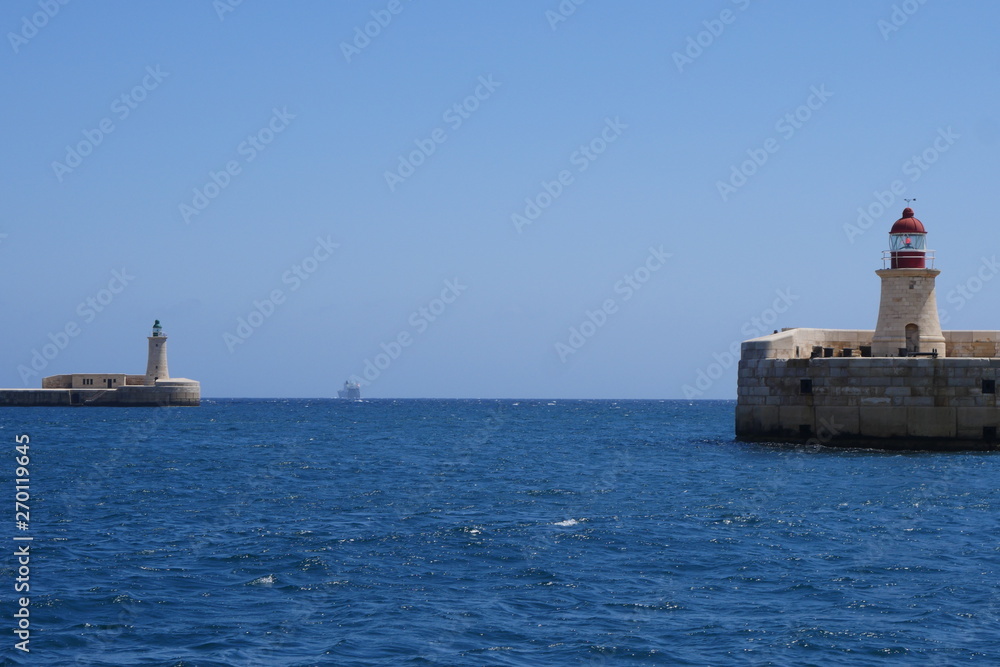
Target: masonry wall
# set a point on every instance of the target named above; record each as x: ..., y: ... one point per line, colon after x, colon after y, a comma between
x: 186, y: 393
x: 908, y: 297
x: 57, y: 382
x: 910, y: 401
x: 75, y: 380
x: 178, y: 395
x: 798, y: 343
x: 972, y: 343
x: 97, y: 380
x: 35, y: 397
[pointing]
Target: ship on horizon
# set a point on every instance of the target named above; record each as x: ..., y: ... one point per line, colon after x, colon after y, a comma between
x: 351, y: 390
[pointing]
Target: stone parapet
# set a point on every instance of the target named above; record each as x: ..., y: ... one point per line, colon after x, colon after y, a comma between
x: 972, y: 343
x: 798, y: 343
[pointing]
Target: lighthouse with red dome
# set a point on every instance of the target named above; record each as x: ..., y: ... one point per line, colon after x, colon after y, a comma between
x: 908, y: 242
x: 904, y: 385
x: 908, y: 322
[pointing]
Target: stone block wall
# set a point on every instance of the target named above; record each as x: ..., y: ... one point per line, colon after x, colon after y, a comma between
x: 973, y: 343
x: 34, y: 397
x: 911, y: 401
x: 97, y: 380
x: 180, y: 394
x: 908, y: 298
x: 57, y: 382
x: 174, y: 393
x: 798, y: 343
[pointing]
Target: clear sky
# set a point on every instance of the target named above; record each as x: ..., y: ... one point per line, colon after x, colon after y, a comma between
x: 456, y: 199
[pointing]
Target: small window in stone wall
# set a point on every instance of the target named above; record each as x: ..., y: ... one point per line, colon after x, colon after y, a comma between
x: 989, y: 386
x: 805, y: 386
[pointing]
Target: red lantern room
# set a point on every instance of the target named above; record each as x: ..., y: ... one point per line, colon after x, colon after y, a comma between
x: 908, y: 243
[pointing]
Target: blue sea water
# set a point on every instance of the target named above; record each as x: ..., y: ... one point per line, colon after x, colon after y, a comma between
x: 451, y: 532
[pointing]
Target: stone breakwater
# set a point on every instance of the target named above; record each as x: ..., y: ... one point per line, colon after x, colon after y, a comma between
x: 787, y: 393
x: 165, y: 394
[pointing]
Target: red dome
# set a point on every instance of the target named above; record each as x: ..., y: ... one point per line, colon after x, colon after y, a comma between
x: 908, y: 224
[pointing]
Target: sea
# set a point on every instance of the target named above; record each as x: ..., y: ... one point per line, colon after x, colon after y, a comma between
x: 485, y: 532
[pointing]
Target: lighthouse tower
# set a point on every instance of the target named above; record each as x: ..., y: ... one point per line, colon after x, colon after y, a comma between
x: 156, y: 361
x: 908, y: 322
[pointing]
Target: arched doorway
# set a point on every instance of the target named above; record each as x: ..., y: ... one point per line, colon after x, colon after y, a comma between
x: 912, y: 339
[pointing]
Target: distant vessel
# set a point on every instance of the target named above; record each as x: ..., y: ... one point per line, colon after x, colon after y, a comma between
x: 350, y: 390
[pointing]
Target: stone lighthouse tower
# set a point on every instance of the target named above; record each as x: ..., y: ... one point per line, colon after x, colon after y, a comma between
x: 908, y: 322
x: 156, y: 361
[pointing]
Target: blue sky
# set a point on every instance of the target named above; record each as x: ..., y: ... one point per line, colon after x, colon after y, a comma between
x: 519, y: 199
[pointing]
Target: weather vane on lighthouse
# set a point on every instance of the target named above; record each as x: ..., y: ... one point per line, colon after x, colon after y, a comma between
x: 909, y: 200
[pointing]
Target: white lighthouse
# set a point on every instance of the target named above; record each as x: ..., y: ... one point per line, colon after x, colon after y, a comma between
x: 156, y: 360
x: 908, y: 323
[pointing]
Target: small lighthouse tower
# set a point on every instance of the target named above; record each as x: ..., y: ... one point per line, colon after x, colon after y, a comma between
x: 156, y: 361
x: 908, y: 322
